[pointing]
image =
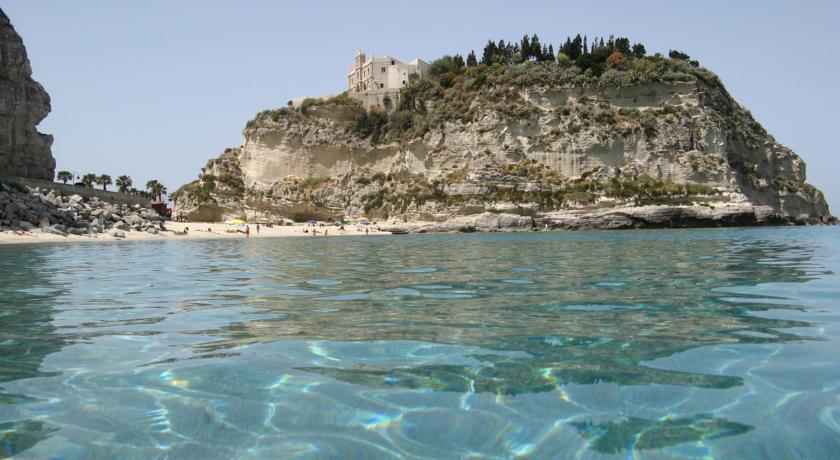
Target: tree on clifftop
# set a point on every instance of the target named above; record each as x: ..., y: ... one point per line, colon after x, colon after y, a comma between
x: 64, y: 176
x: 104, y: 180
x: 678, y: 55
x: 124, y: 183
x: 639, y: 50
x: 471, y: 60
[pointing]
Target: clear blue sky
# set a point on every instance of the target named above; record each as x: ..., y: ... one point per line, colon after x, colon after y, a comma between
x: 154, y: 88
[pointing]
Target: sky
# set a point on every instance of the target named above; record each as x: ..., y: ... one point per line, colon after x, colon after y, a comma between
x: 154, y: 89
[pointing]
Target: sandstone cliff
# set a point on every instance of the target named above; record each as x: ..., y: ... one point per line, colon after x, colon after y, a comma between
x: 24, y: 152
x: 658, y: 143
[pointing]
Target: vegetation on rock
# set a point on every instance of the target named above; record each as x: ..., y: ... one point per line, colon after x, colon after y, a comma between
x: 483, y: 131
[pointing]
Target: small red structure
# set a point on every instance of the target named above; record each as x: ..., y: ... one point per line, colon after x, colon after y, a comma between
x: 162, y: 209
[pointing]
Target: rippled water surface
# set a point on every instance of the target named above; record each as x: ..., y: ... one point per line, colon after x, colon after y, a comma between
x: 691, y: 343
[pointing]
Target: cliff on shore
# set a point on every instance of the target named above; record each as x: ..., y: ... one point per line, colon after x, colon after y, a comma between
x: 646, y: 142
x: 24, y: 152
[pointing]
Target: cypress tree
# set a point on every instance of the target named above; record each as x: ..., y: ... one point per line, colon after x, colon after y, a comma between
x: 471, y: 61
x: 566, y: 46
x: 458, y: 62
x: 576, y: 48
x: 489, y: 53
x: 526, y: 47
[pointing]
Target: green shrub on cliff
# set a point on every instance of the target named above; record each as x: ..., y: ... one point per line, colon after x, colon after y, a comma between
x: 647, y: 187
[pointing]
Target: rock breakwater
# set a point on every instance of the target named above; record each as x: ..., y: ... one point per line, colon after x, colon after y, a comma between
x: 46, y: 211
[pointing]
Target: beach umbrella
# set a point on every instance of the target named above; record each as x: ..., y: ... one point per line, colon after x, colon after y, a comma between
x: 234, y: 221
x: 338, y: 223
x: 312, y: 222
x: 365, y: 222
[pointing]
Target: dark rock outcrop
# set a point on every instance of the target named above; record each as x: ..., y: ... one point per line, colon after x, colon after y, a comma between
x: 24, y: 152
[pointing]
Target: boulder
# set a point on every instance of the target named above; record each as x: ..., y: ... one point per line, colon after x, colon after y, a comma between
x: 25, y: 226
x: 56, y: 229
x: 133, y: 220
x: 118, y: 234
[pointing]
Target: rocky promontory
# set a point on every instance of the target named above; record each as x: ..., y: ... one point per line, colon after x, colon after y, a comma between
x: 630, y: 142
x: 24, y: 152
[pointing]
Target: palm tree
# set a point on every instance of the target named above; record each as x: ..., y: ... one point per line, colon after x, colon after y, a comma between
x: 124, y: 183
x: 155, y: 188
x: 151, y: 184
x: 88, y: 179
x: 104, y: 180
x: 64, y: 176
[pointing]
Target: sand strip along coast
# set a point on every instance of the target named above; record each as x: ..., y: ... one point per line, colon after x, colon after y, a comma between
x: 197, y: 230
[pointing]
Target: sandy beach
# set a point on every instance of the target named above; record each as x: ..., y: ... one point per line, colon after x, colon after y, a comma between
x: 196, y: 231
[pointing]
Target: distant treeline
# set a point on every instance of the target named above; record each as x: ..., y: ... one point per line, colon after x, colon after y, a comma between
x: 583, y: 52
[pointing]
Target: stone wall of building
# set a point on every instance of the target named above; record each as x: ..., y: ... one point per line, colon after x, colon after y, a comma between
x: 376, y: 97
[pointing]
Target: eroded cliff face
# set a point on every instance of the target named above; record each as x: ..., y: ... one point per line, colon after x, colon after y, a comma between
x: 553, y: 153
x: 24, y: 152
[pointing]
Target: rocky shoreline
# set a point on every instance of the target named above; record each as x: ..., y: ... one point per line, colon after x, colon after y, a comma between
x: 622, y: 218
x: 46, y: 211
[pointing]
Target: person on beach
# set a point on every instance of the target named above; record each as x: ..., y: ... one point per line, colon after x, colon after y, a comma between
x: 258, y: 228
x: 366, y: 231
x: 326, y: 230
x: 247, y: 231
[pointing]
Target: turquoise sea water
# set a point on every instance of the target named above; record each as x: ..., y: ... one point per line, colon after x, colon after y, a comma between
x: 719, y: 343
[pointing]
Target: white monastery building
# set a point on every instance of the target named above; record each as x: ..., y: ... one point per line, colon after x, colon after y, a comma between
x: 374, y: 80
x: 383, y: 72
